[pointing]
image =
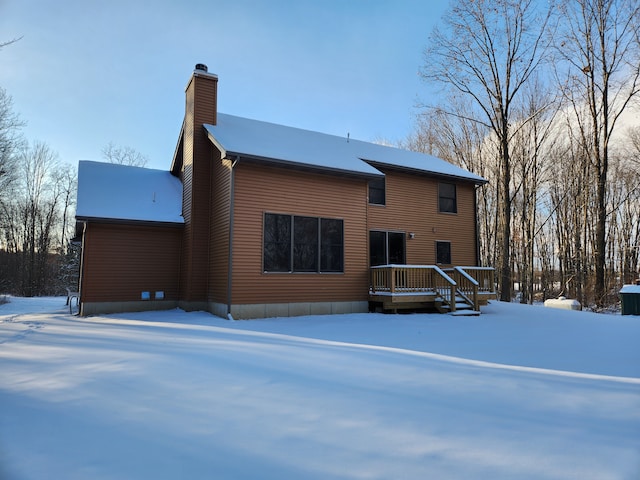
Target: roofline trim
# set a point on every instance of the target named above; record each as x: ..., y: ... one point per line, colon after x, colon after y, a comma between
x: 224, y: 153
x: 130, y: 221
x: 302, y: 166
x: 214, y: 140
x: 381, y: 165
x: 175, y: 151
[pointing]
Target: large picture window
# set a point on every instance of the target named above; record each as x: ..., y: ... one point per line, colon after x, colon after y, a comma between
x: 302, y: 244
x: 447, y: 202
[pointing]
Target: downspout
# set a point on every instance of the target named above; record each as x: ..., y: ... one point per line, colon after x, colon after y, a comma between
x: 475, y: 216
x: 82, y: 244
x: 230, y: 259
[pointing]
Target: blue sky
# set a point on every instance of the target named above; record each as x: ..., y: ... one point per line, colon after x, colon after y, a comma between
x: 88, y: 72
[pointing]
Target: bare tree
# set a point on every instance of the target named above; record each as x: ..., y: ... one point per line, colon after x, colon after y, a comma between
x: 65, y: 184
x: 487, y: 52
x: 453, y: 136
x: 9, y: 42
x: 10, y: 140
x: 30, y: 218
x: 124, y: 155
x: 532, y: 141
x: 625, y: 210
x: 624, y: 221
x: 599, y: 46
x: 39, y: 209
x: 633, y: 137
x: 570, y: 205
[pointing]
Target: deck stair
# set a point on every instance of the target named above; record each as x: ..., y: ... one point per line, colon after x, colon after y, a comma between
x: 463, y: 306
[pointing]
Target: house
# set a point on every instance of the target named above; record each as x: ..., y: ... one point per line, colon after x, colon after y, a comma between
x: 257, y: 220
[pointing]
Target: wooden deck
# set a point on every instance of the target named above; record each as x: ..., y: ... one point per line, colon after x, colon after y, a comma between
x: 455, y: 290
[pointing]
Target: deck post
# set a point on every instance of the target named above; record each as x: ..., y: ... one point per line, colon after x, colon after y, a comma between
x: 476, y: 304
x: 452, y: 300
x: 392, y: 273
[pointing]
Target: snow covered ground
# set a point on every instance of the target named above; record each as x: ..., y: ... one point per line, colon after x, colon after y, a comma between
x: 520, y: 392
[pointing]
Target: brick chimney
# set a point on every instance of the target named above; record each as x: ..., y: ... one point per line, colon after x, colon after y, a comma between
x: 201, y: 108
x: 202, y: 95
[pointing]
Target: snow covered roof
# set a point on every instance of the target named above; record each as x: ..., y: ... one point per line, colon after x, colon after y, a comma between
x: 119, y: 192
x: 630, y: 289
x: 277, y: 143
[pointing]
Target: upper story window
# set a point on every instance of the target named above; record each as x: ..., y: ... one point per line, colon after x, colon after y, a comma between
x: 447, y: 202
x: 302, y: 244
x: 377, y: 191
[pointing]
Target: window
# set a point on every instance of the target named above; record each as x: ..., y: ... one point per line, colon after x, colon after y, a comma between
x: 277, y: 243
x: 447, y: 202
x: 443, y: 253
x: 386, y: 248
x: 377, y: 191
x: 331, y: 245
x: 305, y: 244
x: 377, y: 248
x: 395, y: 240
x: 302, y: 244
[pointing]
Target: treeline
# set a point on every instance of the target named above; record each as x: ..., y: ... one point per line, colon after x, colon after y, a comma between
x: 541, y: 99
x: 37, y: 204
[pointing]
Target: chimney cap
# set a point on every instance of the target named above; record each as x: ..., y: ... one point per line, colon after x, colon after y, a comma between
x: 201, y: 66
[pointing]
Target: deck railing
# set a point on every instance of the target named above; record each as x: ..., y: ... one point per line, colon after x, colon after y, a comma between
x: 402, y: 279
x: 408, y: 279
x: 485, y: 276
x: 467, y: 286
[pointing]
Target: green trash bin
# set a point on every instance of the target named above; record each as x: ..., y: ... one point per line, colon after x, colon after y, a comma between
x: 630, y: 299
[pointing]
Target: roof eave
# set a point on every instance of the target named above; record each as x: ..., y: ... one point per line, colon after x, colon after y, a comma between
x: 218, y: 145
x: 176, y: 163
x: 129, y: 221
x: 301, y: 166
x: 381, y: 165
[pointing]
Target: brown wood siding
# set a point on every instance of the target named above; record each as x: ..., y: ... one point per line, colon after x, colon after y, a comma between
x: 260, y: 189
x: 219, y: 231
x: 121, y: 261
x: 412, y: 206
x: 187, y: 176
x: 201, y: 97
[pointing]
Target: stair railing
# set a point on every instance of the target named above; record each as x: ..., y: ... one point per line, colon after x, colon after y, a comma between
x: 467, y: 286
x: 485, y: 276
x: 445, y: 286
